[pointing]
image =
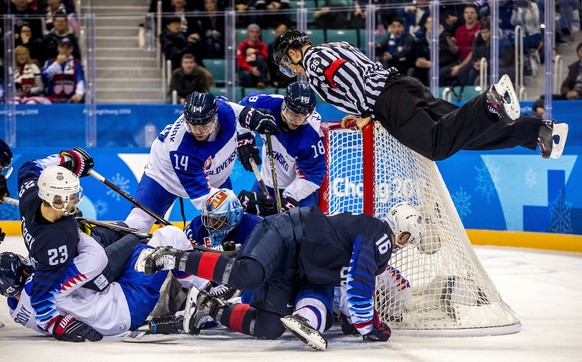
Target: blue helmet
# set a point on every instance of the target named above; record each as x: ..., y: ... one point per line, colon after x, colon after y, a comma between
x: 12, y: 276
x: 300, y: 98
x: 200, y: 108
x: 222, y: 213
x: 5, y: 159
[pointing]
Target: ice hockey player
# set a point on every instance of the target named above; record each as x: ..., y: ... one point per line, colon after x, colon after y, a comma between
x: 297, y: 255
x: 191, y: 157
x: 5, y: 169
x: 298, y: 150
x: 122, y: 305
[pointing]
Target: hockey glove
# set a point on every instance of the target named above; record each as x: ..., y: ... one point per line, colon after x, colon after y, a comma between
x: 260, y: 120
x: 67, y: 328
x: 246, y: 149
x: 288, y: 203
x: 380, y: 331
x: 3, y: 189
x: 257, y: 203
x: 78, y: 161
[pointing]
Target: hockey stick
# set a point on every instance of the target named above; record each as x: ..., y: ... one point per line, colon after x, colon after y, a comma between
x: 258, y: 176
x: 128, y: 197
x: 273, y: 171
x: 141, y: 234
x: 11, y: 201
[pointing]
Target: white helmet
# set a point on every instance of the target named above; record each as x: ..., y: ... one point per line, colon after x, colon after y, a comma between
x: 405, y: 218
x: 60, y: 188
x: 222, y: 213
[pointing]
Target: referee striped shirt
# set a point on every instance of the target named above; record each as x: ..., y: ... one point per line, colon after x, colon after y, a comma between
x: 345, y: 77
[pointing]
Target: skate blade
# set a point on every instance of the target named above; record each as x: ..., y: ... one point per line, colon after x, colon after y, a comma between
x: 141, y: 259
x: 307, y: 335
x: 512, y: 108
x: 559, y: 136
x: 190, y: 305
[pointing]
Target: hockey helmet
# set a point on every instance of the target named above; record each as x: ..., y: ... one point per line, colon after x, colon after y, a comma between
x: 12, y: 275
x: 60, y: 188
x: 5, y: 159
x: 405, y: 218
x: 221, y: 213
x: 291, y: 39
x: 200, y: 109
x: 300, y: 98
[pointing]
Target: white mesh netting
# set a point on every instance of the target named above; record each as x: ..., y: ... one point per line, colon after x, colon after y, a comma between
x: 444, y: 290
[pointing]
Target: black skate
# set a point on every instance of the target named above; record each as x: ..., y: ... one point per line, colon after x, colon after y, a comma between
x: 207, y: 309
x: 151, y: 261
x: 502, y: 100
x: 300, y: 327
x: 552, y: 138
x: 163, y: 325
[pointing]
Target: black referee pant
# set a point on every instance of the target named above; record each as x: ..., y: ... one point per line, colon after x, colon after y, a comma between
x: 438, y: 129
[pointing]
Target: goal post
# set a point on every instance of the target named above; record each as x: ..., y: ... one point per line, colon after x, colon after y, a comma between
x: 448, y: 291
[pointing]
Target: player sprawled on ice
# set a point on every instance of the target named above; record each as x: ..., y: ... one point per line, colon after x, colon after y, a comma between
x: 5, y: 169
x: 191, y: 157
x: 298, y: 151
x: 292, y: 261
x: 436, y: 129
x: 122, y: 305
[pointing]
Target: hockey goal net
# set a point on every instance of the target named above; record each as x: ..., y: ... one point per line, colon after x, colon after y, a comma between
x: 439, y: 287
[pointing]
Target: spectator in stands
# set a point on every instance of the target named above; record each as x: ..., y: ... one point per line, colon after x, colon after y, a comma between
x: 572, y: 85
x: 422, y: 64
x: 251, y: 56
x: 181, y: 10
x: 398, y: 48
x: 212, y: 34
x: 175, y: 43
x: 60, y: 31
x: 52, y: 8
x: 31, y: 42
x: 538, y: 108
x: 23, y: 12
x: 278, y: 79
x: 465, y: 37
x: 469, y: 71
x: 187, y: 79
x: 527, y: 15
x: 244, y: 9
x: 448, y: 50
x: 414, y: 16
x: 567, y: 8
x: 272, y: 14
x: 334, y: 14
x: 27, y: 79
x: 64, y: 75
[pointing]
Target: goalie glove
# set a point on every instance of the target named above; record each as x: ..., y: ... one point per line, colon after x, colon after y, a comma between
x: 77, y: 160
x: 259, y: 120
x: 3, y: 189
x: 257, y: 203
x: 246, y: 149
x: 67, y: 328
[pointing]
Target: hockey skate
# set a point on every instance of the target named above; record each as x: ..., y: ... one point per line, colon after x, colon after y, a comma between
x: 299, y: 326
x: 502, y: 100
x: 552, y: 138
x: 163, y: 325
x: 207, y: 309
x: 151, y: 261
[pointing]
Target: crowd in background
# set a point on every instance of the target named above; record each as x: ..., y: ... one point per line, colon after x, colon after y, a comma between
x: 48, y: 57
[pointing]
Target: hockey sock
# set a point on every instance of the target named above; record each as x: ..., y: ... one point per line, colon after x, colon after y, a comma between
x: 206, y: 265
x: 238, y: 317
x: 314, y: 311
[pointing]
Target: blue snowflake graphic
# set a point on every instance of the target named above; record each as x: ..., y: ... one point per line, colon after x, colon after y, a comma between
x: 462, y: 201
x: 560, y: 219
x: 531, y: 178
x: 9, y: 212
x: 101, y: 207
x: 485, y: 181
x: 122, y: 183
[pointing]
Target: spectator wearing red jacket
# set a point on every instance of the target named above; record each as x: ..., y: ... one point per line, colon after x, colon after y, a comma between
x: 252, y: 57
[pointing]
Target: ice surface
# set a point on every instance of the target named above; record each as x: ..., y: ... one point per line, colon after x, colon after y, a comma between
x: 544, y: 288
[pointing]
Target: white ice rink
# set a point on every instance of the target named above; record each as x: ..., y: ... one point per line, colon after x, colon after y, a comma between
x: 544, y: 288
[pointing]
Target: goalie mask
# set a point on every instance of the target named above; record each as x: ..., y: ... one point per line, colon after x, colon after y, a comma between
x: 5, y: 159
x: 222, y: 213
x: 12, y: 274
x: 60, y: 188
x: 405, y: 218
